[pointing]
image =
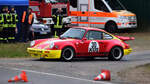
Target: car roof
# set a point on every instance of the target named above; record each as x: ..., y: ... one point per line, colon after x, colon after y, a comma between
x: 90, y: 28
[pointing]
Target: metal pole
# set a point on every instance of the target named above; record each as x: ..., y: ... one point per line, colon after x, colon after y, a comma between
x: 88, y: 13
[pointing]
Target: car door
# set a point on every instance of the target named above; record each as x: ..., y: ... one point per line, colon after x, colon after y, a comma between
x: 94, y: 43
x: 89, y: 46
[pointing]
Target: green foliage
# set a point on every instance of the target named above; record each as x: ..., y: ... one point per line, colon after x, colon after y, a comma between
x: 147, y: 66
x: 13, y: 50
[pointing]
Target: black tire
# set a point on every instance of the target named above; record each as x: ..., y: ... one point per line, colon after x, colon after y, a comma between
x: 111, y: 27
x: 67, y: 54
x: 116, y: 54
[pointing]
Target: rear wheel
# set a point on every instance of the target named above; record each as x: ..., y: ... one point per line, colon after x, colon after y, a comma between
x: 111, y: 27
x: 116, y: 54
x: 67, y: 54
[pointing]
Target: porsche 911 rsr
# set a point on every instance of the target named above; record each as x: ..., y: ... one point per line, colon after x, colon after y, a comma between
x: 81, y: 42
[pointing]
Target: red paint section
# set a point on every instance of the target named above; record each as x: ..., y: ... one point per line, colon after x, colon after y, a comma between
x: 125, y: 38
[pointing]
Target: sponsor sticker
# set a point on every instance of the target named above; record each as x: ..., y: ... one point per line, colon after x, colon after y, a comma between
x: 93, y: 47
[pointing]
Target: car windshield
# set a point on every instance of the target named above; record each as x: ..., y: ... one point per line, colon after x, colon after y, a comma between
x: 115, y: 4
x: 75, y: 33
x: 56, y: 1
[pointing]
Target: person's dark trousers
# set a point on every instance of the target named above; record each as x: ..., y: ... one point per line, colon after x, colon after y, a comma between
x: 12, y: 34
x: 25, y: 31
x: 52, y: 30
x: 58, y: 31
x: 1, y: 36
x: 5, y: 34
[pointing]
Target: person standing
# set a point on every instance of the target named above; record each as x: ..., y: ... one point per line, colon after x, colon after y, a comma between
x: 5, y: 14
x: 27, y: 21
x: 13, y: 24
x: 58, y: 23
x: 1, y: 23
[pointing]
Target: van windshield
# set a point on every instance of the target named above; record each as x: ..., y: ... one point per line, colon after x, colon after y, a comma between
x: 56, y: 1
x: 115, y: 4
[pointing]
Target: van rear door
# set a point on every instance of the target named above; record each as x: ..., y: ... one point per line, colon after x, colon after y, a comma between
x: 83, y: 18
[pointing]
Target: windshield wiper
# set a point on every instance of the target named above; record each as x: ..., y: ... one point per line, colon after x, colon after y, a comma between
x: 70, y: 37
x: 73, y: 37
x: 76, y: 37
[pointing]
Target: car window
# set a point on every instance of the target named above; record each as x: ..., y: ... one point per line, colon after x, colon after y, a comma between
x: 77, y: 33
x: 107, y: 36
x: 94, y: 35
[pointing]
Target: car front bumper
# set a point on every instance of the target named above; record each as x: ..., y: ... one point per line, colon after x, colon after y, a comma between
x: 127, y: 51
x: 128, y: 25
x: 46, y: 54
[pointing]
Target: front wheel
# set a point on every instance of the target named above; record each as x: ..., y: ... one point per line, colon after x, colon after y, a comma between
x: 67, y: 54
x: 116, y: 54
x: 111, y: 27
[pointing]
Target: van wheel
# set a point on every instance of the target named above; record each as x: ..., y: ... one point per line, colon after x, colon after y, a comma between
x: 116, y: 54
x: 67, y: 54
x: 111, y: 27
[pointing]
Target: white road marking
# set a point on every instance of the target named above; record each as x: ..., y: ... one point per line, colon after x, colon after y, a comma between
x: 51, y: 74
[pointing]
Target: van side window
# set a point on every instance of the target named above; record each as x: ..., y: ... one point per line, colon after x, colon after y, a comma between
x: 73, y: 3
x: 99, y: 5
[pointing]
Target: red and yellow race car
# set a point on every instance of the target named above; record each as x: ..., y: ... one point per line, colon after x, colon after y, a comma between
x: 81, y: 42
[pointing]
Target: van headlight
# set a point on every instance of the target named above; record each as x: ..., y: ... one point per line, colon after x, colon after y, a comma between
x: 32, y: 43
x: 52, y: 45
x: 122, y: 17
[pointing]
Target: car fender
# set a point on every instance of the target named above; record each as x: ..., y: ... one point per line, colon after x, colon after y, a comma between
x: 67, y: 44
x: 114, y: 44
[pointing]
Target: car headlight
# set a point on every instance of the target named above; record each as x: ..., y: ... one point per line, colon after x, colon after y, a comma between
x: 52, y: 44
x: 32, y: 43
x: 45, y: 26
x: 67, y: 20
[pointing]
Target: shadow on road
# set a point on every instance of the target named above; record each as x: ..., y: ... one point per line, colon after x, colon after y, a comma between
x: 80, y: 60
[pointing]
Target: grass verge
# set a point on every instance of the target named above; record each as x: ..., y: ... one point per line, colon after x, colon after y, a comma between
x: 13, y: 50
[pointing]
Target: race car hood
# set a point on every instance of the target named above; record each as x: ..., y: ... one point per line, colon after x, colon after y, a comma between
x: 124, y: 13
x: 45, y: 43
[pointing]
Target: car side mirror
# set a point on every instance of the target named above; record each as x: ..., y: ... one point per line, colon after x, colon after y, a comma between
x: 84, y: 39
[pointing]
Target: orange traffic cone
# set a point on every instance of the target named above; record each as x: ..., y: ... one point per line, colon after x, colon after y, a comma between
x: 21, y: 77
x: 105, y: 75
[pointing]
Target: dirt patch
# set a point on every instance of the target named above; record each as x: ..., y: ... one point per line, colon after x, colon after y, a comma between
x: 137, y: 75
x: 141, y: 42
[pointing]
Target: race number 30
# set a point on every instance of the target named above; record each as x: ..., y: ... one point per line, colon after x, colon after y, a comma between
x: 93, y: 47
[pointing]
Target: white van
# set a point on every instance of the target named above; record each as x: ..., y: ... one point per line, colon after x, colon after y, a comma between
x: 106, y: 14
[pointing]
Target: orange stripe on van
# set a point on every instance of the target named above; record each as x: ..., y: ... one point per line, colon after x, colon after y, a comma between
x: 88, y: 22
x: 92, y: 14
x: 92, y: 23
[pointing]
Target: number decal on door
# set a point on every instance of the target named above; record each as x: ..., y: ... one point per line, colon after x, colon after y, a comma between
x: 93, y: 47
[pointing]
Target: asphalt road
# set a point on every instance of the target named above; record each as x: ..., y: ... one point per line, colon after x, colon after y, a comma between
x: 35, y: 77
x: 79, y: 71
